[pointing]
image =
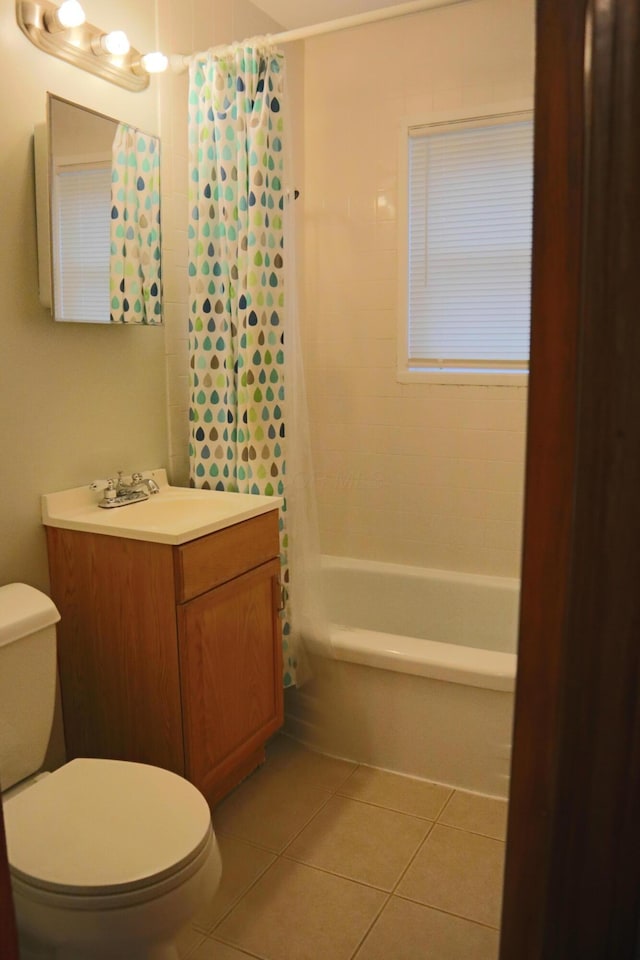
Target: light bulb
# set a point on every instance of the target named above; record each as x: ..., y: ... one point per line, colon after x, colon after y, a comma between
x: 68, y: 15
x: 116, y: 43
x: 155, y: 62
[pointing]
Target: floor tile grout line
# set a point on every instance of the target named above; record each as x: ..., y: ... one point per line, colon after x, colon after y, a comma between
x: 241, y: 950
x: 411, y: 859
x: 243, y: 953
x: 237, y: 836
x: 449, y: 913
x: 407, y: 776
x: 213, y: 935
x: 446, y: 804
x: 237, y: 899
x: 475, y: 833
x: 245, y: 893
x: 333, y: 873
x: 278, y: 852
x: 370, y: 927
x: 278, y: 855
x: 384, y: 806
x: 250, y: 843
x: 227, y: 943
x: 308, y: 823
x: 357, y: 767
x: 322, y: 756
x: 190, y: 952
x: 432, y: 783
x: 394, y: 892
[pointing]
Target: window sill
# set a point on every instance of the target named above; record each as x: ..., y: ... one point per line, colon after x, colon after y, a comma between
x: 454, y: 377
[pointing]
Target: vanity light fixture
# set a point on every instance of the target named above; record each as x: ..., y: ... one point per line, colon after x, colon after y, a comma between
x: 63, y: 31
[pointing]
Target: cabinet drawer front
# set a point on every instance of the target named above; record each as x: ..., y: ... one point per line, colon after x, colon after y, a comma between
x: 209, y: 561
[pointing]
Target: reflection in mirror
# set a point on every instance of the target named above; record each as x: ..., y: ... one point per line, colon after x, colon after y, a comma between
x: 104, y: 198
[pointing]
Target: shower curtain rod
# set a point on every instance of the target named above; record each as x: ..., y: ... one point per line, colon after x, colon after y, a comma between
x: 343, y: 23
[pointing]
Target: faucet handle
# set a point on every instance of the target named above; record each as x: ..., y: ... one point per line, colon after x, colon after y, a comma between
x: 108, y: 488
x: 103, y: 485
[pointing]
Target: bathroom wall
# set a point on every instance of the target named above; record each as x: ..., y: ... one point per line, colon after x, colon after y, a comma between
x: 417, y: 473
x: 77, y: 401
x: 82, y: 401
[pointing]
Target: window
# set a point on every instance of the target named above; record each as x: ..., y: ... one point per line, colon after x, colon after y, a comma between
x: 81, y: 218
x: 468, y: 237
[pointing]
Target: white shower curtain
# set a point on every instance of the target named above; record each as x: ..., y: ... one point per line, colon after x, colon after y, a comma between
x: 249, y: 430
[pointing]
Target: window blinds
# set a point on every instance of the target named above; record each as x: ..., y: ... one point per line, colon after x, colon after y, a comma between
x: 470, y: 216
x: 82, y: 218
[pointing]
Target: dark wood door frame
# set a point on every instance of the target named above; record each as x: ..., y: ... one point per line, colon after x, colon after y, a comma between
x: 572, y: 878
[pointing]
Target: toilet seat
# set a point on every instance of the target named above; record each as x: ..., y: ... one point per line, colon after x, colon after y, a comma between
x: 106, y: 830
x: 206, y: 862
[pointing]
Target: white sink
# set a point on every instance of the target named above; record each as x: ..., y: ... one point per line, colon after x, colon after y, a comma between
x: 174, y: 515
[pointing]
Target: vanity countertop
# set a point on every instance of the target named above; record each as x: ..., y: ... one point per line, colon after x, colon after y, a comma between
x: 175, y: 515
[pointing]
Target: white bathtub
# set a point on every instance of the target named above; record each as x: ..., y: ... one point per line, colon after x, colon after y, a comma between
x: 418, y: 674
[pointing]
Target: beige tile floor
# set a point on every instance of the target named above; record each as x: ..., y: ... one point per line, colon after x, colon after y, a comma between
x: 328, y: 860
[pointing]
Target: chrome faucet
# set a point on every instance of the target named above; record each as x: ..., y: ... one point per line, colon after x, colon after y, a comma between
x: 137, y: 481
x: 120, y: 492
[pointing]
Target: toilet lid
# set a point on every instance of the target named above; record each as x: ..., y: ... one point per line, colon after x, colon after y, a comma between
x: 104, y: 826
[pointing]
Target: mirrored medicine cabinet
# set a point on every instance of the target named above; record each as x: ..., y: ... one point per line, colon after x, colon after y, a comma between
x: 98, y: 216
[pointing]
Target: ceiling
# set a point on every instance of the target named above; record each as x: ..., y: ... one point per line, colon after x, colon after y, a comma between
x: 293, y: 13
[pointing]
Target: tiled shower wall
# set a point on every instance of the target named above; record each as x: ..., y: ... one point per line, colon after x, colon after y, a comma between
x: 412, y: 473
x: 427, y: 474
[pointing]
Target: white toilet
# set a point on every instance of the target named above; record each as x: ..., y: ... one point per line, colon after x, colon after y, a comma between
x: 109, y: 859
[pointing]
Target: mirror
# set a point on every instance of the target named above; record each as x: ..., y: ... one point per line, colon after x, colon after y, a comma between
x: 102, y: 240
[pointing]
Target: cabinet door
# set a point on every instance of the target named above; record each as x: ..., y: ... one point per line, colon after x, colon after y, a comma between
x: 117, y: 647
x: 231, y: 677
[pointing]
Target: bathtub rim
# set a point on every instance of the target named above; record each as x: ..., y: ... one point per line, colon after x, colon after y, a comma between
x: 453, y: 663
x: 414, y: 571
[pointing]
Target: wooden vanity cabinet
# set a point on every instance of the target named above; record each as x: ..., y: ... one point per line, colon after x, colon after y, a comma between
x: 171, y: 655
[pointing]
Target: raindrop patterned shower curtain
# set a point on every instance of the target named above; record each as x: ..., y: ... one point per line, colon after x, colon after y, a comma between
x: 134, y: 270
x: 236, y: 281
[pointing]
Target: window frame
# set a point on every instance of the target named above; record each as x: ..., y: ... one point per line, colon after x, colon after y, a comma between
x: 484, y: 115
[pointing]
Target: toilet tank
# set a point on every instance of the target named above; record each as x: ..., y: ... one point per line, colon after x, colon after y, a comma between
x: 27, y: 680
